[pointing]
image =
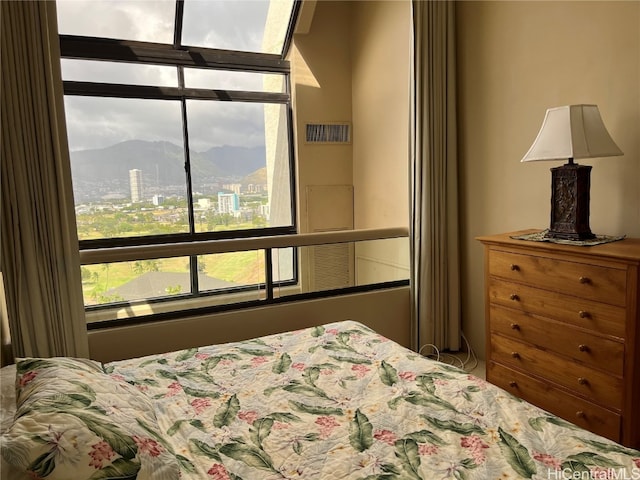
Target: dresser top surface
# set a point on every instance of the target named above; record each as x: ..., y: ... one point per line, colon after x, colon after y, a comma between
x: 627, y: 248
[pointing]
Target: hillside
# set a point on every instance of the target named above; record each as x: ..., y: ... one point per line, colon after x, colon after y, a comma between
x: 106, y: 170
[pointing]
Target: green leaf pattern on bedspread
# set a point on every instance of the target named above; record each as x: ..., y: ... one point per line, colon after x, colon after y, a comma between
x: 73, y: 421
x: 340, y: 402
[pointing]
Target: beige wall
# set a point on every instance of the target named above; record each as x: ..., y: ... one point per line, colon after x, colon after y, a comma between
x: 515, y: 60
x: 321, y: 84
x: 381, y: 60
x: 351, y: 62
x: 381, y: 66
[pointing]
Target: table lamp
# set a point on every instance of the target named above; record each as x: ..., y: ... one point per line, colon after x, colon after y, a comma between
x: 571, y: 132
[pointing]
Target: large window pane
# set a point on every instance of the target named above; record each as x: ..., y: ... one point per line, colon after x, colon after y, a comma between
x: 378, y: 261
x: 237, y: 269
x: 246, y: 25
x: 349, y: 264
x: 239, y: 180
x: 284, y: 265
x: 127, y: 165
x: 130, y: 281
x: 118, y: 72
x: 144, y: 20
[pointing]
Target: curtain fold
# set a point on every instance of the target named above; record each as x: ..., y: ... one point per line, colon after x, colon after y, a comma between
x: 435, y: 282
x: 39, y: 245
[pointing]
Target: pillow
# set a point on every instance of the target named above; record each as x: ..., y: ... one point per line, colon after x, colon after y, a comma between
x: 73, y: 421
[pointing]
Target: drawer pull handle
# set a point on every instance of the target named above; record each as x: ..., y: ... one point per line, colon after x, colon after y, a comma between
x: 514, y: 267
x: 514, y: 297
x: 580, y: 414
x: 585, y: 280
x: 583, y: 381
x: 515, y: 354
x: 513, y: 384
x: 583, y: 348
x: 584, y: 314
x: 515, y: 326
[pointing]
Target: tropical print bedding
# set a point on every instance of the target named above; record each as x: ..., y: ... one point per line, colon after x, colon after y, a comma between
x: 333, y: 402
x: 340, y: 401
x: 74, y: 422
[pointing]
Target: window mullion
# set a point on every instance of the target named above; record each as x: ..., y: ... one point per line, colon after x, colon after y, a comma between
x: 95, y: 48
x: 193, y: 262
x: 268, y: 273
x: 92, y: 89
x: 177, y: 26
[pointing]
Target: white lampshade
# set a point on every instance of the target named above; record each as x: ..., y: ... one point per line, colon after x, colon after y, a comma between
x: 572, y: 131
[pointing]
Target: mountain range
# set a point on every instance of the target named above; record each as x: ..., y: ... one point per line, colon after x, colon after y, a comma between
x: 162, y: 166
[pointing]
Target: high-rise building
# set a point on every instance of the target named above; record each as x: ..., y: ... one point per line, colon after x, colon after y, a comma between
x: 135, y: 183
x: 228, y: 203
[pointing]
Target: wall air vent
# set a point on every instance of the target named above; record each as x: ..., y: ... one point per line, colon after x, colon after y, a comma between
x: 328, y: 133
x: 331, y: 266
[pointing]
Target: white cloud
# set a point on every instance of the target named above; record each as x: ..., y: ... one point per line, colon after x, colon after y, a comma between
x: 145, y: 20
x: 225, y: 123
x: 227, y: 24
x: 101, y: 122
x: 117, y: 72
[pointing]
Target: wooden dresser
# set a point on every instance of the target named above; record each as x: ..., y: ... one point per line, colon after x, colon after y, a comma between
x: 563, y: 329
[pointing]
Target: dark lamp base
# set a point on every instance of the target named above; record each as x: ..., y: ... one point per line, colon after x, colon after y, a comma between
x: 570, y: 236
x: 570, y: 186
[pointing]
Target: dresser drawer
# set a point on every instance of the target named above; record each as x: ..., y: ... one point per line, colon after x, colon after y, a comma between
x: 596, y: 351
x: 602, y: 284
x: 581, y: 312
x: 556, y: 401
x: 595, y: 385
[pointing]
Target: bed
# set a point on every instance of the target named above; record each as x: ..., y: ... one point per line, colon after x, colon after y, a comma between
x: 337, y: 401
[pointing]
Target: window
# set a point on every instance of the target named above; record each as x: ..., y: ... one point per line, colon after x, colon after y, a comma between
x: 179, y: 128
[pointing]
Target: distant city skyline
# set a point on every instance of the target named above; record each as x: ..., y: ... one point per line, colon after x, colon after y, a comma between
x: 106, y: 174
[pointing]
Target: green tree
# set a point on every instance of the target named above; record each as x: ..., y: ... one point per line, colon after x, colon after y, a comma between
x: 151, y: 265
x: 106, y: 267
x: 85, y: 274
x: 258, y: 221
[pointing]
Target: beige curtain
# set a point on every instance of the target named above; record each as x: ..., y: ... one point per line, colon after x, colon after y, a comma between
x: 434, y: 176
x: 39, y: 244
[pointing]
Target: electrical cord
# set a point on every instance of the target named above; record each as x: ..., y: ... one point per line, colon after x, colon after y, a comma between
x: 452, y: 359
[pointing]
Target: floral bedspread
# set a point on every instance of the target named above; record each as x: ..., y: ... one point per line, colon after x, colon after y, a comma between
x: 342, y: 402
